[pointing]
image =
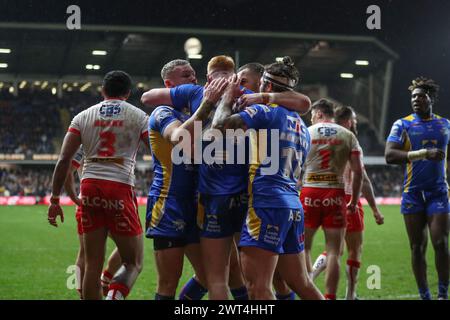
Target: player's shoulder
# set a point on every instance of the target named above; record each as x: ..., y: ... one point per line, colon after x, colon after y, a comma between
x: 162, y: 113
x: 408, y: 120
x: 90, y: 110
x: 441, y: 119
x: 189, y: 87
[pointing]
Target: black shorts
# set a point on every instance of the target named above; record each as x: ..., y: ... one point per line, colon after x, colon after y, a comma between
x: 161, y: 243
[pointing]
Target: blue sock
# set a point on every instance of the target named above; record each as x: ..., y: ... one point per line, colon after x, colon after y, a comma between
x: 424, y: 293
x: 192, y: 290
x: 443, y: 290
x: 289, y: 296
x: 161, y: 297
x: 240, y: 293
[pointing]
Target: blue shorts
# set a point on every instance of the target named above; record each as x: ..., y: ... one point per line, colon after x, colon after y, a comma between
x: 432, y: 201
x: 221, y: 216
x: 280, y: 230
x: 172, y: 217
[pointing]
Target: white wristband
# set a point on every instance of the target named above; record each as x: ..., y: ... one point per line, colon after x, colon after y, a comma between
x: 271, y: 97
x: 417, y: 155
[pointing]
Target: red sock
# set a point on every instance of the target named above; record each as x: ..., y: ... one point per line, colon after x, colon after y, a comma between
x: 117, y: 291
x: 324, y: 253
x: 107, y: 275
x: 105, y: 280
x: 329, y: 296
x: 81, y: 293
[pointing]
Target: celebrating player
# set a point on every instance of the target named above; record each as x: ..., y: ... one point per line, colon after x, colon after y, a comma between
x: 323, y: 195
x: 171, y: 205
x: 273, y: 230
x: 346, y: 117
x: 420, y: 141
x: 110, y: 133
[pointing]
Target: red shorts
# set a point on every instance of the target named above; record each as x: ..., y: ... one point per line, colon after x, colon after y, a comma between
x: 78, y: 218
x: 355, y: 221
x: 111, y: 205
x: 323, y: 207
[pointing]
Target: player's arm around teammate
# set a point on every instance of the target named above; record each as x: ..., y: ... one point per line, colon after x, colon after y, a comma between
x: 251, y: 75
x: 259, y: 263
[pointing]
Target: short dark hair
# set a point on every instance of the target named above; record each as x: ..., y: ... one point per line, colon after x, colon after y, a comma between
x: 343, y: 113
x: 117, y: 83
x: 285, y: 69
x: 430, y: 87
x: 253, y: 67
x: 325, y: 106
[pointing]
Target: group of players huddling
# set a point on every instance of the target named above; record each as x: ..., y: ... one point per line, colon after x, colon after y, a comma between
x: 244, y: 228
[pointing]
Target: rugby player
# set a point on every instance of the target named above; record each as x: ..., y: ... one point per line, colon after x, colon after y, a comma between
x: 171, y: 205
x: 420, y: 141
x: 250, y: 75
x: 346, y: 117
x: 110, y: 132
x: 223, y: 203
x: 322, y: 195
x: 273, y: 230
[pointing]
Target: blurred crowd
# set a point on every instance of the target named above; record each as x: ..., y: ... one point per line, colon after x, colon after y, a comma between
x: 36, y: 181
x: 35, y: 121
x: 387, y: 181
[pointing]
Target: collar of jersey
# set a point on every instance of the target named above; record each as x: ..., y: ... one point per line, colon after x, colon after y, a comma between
x: 416, y: 117
x: 114, y: 99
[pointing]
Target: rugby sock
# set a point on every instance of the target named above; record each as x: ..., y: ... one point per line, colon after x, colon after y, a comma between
x: 105, y: 280
x: 240, y: 293
x: 329, y: 296
x: 424, y: 293
x: 319, y: 265
x: 117, y: 291
x: 192, y: 290
x: 352, y: 270
x: 161, y: 297
x: 289, y: 296
x: 443, y: 290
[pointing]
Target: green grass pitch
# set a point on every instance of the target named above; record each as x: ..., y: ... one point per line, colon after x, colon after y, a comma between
x: 35, y: 257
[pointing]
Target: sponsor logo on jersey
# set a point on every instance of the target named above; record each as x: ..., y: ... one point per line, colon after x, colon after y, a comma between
x: 109, y: 110
x: 326, y: 131
x: 321, y: 178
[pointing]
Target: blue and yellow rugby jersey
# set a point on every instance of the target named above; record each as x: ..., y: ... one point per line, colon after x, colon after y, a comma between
x: 215, y: 179
x: 276, y: 190
x: 414, y: 133
x: 169, y: 179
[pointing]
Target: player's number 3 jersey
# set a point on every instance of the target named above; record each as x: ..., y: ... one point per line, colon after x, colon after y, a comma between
x: 110, y: 134
x: 414, y: 133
